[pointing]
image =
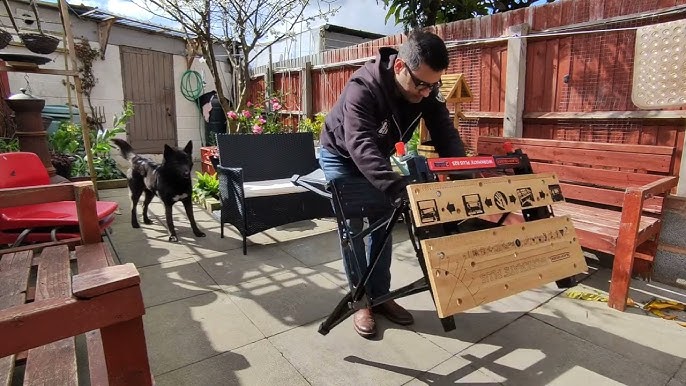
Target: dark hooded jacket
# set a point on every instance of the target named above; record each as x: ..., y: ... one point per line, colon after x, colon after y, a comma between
x: 371, y: 115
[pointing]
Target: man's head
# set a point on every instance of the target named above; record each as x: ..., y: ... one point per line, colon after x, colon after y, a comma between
x: 420, y: 63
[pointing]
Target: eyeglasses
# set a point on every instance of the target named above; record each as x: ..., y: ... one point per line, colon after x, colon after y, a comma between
x: 421, y: 85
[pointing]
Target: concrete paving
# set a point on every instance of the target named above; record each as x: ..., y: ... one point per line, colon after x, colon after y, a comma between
x: 217, y: 317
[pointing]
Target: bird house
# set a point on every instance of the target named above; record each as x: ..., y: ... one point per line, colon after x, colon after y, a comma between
x: 455, y: 91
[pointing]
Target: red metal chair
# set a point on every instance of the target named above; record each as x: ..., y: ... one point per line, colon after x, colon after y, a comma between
x: 40, y: 222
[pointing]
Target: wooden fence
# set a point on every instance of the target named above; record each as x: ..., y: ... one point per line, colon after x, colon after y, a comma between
x: 577, y: 76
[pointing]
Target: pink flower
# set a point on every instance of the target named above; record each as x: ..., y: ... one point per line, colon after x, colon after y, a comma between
x: 249, y: 104
x: 275, y: 100
x: 276, y: 106
x: 257, y: 129
x: 262, y: 121
x: 232, y: 115
x: 246, y: 114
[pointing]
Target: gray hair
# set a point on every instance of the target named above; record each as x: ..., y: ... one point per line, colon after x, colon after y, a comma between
x: 424, y: 47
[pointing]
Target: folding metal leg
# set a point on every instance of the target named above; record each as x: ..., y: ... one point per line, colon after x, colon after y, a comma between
x: 356, y: 299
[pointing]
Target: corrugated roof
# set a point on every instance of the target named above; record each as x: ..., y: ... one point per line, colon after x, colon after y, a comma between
x: 96, y: 14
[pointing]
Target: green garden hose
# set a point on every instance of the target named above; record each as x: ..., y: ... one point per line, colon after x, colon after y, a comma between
x: 191, y: 85
x: 191, y: 88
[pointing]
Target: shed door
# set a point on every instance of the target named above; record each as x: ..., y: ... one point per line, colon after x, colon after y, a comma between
x: 149, y: 83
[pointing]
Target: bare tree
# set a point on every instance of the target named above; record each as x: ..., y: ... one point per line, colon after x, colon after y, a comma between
x: 244, y: 28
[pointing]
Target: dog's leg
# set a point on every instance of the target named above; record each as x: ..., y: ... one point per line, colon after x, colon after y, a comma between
x: 135, y: 196
x: 188, y: 204
x: 146, y: 202
x: 170, y: 222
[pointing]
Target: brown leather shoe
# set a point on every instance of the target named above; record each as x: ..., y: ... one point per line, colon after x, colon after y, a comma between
x: 364, y: 323
x: 395, y: 313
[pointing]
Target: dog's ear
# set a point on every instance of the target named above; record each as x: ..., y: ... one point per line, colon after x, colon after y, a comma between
x: 168, y: 151
x: 189, y: 148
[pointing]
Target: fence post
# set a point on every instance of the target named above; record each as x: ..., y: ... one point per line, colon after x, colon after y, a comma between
x: 306, y: 93
x: 269, y: 77
x: 516, y: 80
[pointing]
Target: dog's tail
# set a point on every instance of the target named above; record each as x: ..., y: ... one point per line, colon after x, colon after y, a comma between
x: 124, y: 147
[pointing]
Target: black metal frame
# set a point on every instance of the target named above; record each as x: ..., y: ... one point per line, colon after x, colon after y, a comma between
x: 357, y: 198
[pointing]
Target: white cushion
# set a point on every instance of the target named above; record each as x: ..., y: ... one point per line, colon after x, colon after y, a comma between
x: 271, y: 188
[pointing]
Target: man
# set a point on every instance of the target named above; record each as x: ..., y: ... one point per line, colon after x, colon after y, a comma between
x: 381, y: 105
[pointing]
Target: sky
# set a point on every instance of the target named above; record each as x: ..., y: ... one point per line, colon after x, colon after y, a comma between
x: 364, y: 15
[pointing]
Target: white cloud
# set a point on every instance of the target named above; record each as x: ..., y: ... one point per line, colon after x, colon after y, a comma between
x: 129, y: 9
x: 364, y: 15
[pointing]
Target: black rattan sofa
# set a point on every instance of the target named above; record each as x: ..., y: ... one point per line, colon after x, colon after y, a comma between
x: 255, y: 188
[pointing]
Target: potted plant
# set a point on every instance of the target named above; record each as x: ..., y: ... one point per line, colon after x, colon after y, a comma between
x: 313, y: 126
x: 69, y: 155
x: 206, y: 191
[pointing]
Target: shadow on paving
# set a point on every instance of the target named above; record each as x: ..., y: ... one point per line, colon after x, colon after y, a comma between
x: 531, y: 351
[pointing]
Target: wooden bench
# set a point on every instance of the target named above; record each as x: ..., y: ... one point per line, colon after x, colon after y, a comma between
x: 44, y: 306
x: 613, y: 192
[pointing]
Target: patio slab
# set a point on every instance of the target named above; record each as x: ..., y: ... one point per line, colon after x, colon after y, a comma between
x: 193, y: 329
x: 232, y: 267
x: 258, y: 363
x: 655, y: 342
x: 174, y: 280
x: 151, y: 251
x: 531, y: 352
x: 337, y: 358
x: 281, y: 302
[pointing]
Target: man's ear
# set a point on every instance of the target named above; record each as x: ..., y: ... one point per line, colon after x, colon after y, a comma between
x: 398, y: 65
x: 189, y: 147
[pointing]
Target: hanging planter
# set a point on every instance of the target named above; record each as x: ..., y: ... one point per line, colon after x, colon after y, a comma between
x: 37, y: 42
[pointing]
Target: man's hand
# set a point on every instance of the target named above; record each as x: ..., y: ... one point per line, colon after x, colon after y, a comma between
x: 399, y: 195
x: 400, y: 199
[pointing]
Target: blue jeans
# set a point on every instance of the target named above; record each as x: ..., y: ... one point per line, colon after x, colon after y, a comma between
x: 379, y: 282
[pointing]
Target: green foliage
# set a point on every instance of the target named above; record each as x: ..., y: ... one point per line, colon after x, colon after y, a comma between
x: 413, y: 143
x: 8, y: 145
x: 423, y: 13
x: 206, y: 185
x: 68, y: 140
x: 314, y: 126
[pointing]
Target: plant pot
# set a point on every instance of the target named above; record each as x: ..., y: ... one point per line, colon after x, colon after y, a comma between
x: 212, y: 204
x: 112, y: 184
x: 79, y: 178
x: 39, y: 43
x: 209, y: 203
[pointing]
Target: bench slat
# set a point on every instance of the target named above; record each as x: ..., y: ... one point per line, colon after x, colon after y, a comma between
x: 599, y: 177
x: 605, y: 196
x: 613, y: 155
x: 614, y: 147
x: 54, y: 363
x: 597, y: 228
x: 96, y: 359
x: 14, y: 277
x: 91, y: 257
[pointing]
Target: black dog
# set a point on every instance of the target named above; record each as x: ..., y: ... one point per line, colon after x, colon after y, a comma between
x: 170, y: 181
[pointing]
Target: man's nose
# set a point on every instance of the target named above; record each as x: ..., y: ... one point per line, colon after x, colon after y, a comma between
x: 425, y: 92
